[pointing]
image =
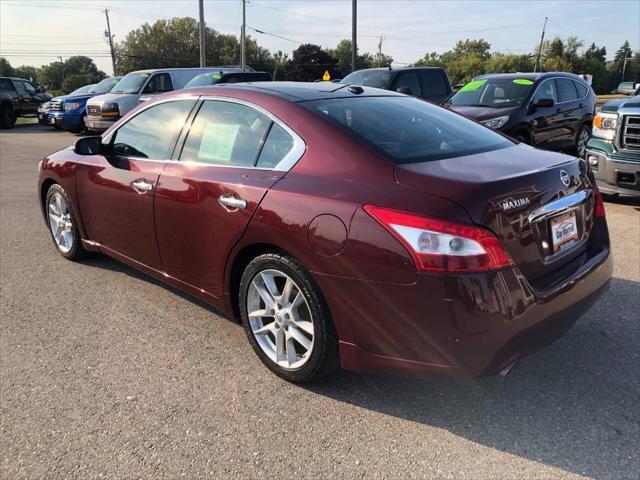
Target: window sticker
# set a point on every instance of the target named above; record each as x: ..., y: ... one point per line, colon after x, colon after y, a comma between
x: 217, y: 76
x: 522, y: 81
x: 471, y: 86
x: 217, y: 142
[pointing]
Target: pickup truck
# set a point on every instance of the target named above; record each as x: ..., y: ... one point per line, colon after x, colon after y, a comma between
x: 19, y: 98
x: 613, y: 152
x: 68, y: 111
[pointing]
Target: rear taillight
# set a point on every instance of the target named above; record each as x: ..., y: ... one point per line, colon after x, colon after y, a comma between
x: 438, y: 245
x: 600, y: 213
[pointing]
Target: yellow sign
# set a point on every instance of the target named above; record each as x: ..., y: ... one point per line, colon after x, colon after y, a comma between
x: 326, y: 77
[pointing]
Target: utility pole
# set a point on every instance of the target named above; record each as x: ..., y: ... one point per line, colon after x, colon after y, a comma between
x: 624, y: 66
x: 243, y: 35
x: 380, y: 50
x: 107, y: 34
x: 354, y: 43
x: 61, y: 71
x: 535, y: 68
x: 201, y: 31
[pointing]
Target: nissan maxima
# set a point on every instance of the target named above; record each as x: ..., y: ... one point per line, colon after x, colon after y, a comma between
x: 342, y: 225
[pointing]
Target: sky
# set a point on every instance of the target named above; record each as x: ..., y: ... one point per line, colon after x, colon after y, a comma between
x: 36, y: 32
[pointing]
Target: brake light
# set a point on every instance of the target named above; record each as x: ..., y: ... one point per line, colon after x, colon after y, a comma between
x: 438, y: 245
x: 599, y: 210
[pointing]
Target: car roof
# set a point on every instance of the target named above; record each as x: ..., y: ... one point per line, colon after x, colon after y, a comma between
x: 203, y: 69
x: 298, y: 91
x: 529, y: 75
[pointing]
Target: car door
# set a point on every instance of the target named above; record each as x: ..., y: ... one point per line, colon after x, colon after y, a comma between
x: 546, y: 122
x: 233, y: 153
x: 24, y: 100
x: 569, y: 109
x: 116, y: 190
x: 34, y: 97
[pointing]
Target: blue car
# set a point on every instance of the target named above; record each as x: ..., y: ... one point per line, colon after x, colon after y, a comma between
x: 68, y: 111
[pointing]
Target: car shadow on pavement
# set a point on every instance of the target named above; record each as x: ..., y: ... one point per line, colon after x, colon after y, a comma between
x: 623, y: 200
x: 573, y: 405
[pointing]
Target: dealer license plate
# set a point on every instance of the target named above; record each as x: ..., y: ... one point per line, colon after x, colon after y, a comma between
x: 564, y: 231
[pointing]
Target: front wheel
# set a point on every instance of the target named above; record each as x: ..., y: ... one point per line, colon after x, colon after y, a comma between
x: 584, y: 134
x: 285, y: 318
x: 62, y: 224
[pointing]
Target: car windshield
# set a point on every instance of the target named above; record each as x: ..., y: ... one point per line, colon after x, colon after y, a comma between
x: 85, y: 89
x: 368, y: 78
x: 406, y: 129
x: 130, y: 83
x: 104, y: 86
x: 492, y: 92
x: 204, y: 79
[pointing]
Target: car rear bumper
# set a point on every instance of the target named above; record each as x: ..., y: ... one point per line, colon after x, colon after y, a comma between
x: 98, y: 124
x: 457, y: 326
x: 615, y: 175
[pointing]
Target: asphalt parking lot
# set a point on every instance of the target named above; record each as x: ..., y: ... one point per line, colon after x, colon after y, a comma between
x: 106, y: 373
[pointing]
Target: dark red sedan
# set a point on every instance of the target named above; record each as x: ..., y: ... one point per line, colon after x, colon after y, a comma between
x: 343, y: 225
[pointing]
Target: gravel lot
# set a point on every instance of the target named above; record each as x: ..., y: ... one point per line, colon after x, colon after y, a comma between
x: 105, y: 373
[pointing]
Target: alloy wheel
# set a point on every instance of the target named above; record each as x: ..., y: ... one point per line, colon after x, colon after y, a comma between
x: 60, y: 222
x: 280, y: 319
x: 583, y: 138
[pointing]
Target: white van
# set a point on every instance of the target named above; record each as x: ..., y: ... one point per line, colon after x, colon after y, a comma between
x: 104, y: 110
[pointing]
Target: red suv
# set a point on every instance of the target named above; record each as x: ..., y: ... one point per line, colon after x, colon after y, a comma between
x: 343, y: 225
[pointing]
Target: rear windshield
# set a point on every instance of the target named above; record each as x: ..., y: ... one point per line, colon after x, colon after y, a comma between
x: 496, y: 93
x: 369, y: 78
x: 130, y: 83
x: 406, y: 129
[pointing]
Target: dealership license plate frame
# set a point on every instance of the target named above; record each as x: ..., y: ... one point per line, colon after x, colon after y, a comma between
x: 568, y: 221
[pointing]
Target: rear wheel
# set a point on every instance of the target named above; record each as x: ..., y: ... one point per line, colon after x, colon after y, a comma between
x: 584, y: 134
x: 62, y: 224
x: 7, y: 117
x: 286, y: 321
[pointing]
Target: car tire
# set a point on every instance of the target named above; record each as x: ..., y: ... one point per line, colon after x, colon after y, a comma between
x: 582, y: 138
x: 80, y: 128
x: 7, y: 117
x: 295, y: 336
x: 63, y: 225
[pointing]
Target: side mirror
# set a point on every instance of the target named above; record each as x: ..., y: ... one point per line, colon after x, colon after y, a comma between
x: 405, y: 90
x: 88, y: 146
x: 544, y: 103
x: 40, y: 89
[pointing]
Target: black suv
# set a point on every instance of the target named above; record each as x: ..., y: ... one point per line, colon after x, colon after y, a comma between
x: 430, y: 83
x: 551, y: 110
x: 19, y: 98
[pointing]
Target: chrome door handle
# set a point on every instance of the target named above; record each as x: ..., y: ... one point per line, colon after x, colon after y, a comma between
x: 142, y: 186
x: 231, y: 202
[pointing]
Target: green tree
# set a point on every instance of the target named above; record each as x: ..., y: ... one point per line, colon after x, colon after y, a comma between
x: 478, y: 48
x: 54, y: 75
x: 595, y: 53
x: 28, y: 72
x: 342, y: 54
x: 280, y: 60
x: 6, y: 70
x: 309, y: 62
x: 510, y: 63
x: 431, y: 59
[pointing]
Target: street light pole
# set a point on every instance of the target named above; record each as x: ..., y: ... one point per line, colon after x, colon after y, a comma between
x: 535, y: 68
x: 243, y: 34
x: 354, y: 45
x: 201, y: 28
x: 624, y: 66
x: 61, y: 71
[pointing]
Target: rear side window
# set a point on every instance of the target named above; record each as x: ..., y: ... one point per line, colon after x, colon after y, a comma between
x: 407, y: 129
x: 275, y: 148
x: 225, y: 133
x: 409, y: 80
x: 6, y: 84
x: 151, y: 133
x: 581, y: 89
x: 434, y: 82
x: 566, y: 90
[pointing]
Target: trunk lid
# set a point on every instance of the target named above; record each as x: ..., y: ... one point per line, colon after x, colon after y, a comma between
x: 517, y: 193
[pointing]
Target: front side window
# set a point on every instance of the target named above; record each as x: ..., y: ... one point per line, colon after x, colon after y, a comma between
x: 19, y: 86
x: 434, y: 82
x: 409, y: 80
x: 407, y: 129
x: 566, y: 90
x: 226, y: 133
x: 159, y: 83
x: 29, y: 88
x: 369, y: 78
x: 546, y: 90
x: 152, y: 132
x: 493, y: 93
